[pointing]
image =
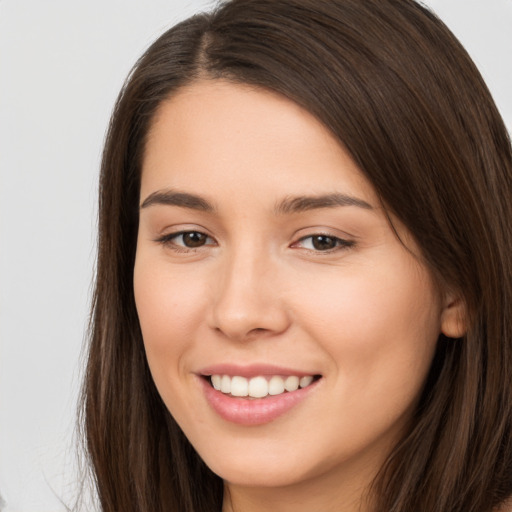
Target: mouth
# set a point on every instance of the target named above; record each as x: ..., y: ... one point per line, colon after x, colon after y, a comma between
x: 259, y: 386
x: 256, y: 394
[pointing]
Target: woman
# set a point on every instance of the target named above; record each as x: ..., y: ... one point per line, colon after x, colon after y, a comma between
x: 304, y: 279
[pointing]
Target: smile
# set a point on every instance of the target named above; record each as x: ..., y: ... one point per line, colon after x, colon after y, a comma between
x: 260, y: 386
x: 258, y: 396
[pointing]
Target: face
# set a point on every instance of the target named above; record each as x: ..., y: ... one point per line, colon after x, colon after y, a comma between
x: 267, y: 268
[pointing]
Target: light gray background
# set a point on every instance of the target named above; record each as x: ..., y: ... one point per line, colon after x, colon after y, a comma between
x: 61, y: 66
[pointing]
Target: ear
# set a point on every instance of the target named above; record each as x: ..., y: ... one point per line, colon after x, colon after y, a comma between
x: 453, y: 316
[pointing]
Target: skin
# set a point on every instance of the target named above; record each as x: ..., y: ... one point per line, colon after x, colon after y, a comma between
x: 365, y: 314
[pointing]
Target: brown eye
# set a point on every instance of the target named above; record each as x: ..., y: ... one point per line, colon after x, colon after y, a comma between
x: 192, y: 239
x: 185, y: 240
x: 323, y: 243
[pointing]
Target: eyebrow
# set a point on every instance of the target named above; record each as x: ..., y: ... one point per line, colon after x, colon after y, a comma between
x: 174, y: 198
x: 289, y: 205
x: 304, y: 203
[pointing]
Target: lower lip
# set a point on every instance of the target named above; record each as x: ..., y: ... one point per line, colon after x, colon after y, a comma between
x: 256, y: 411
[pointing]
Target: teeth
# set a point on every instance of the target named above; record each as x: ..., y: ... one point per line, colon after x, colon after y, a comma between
x: 291, y: 383
x: 225, y: 384
x: 258, y: 387
x: 216, y: 381
x: 305, y: 381
x: 275, y: 386
x: 239, y: 386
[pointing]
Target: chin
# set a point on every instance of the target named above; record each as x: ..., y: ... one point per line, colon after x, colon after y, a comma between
x: 257, y: 468
x: 250, y: 475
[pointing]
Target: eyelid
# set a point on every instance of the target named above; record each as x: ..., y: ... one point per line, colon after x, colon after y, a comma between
x: 171, y: 230
x: 342, y: 242
x: 168, y: 238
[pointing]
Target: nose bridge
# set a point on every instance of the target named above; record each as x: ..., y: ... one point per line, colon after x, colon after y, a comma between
x: 247, y: 293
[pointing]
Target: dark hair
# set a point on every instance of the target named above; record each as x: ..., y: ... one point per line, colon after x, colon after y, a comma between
x: 397, y: 89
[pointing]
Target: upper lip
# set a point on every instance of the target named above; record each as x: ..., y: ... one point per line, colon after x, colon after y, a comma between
x: 252, y: 370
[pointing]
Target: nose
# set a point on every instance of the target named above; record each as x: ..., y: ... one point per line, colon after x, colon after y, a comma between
x: 248, y: 299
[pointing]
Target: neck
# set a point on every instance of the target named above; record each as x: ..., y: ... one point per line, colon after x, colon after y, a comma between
x: 330, y: 493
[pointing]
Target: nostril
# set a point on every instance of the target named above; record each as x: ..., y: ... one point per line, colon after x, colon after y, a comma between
x: 257, y: 330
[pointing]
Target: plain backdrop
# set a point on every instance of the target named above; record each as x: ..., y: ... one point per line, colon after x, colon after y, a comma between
x: 62, y: 64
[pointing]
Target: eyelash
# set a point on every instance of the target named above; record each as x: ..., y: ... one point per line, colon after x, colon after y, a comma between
x: 340, y: 243
x: 169, y: 241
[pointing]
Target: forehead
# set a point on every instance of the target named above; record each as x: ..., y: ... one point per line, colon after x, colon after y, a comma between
x: 217, y: 132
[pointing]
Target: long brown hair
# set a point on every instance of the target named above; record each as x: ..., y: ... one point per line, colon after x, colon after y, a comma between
x: 402, y: 95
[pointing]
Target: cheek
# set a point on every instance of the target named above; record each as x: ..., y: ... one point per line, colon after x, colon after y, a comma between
x: 375, y: 322
x: 169, y: 307
x: 379, y: 330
